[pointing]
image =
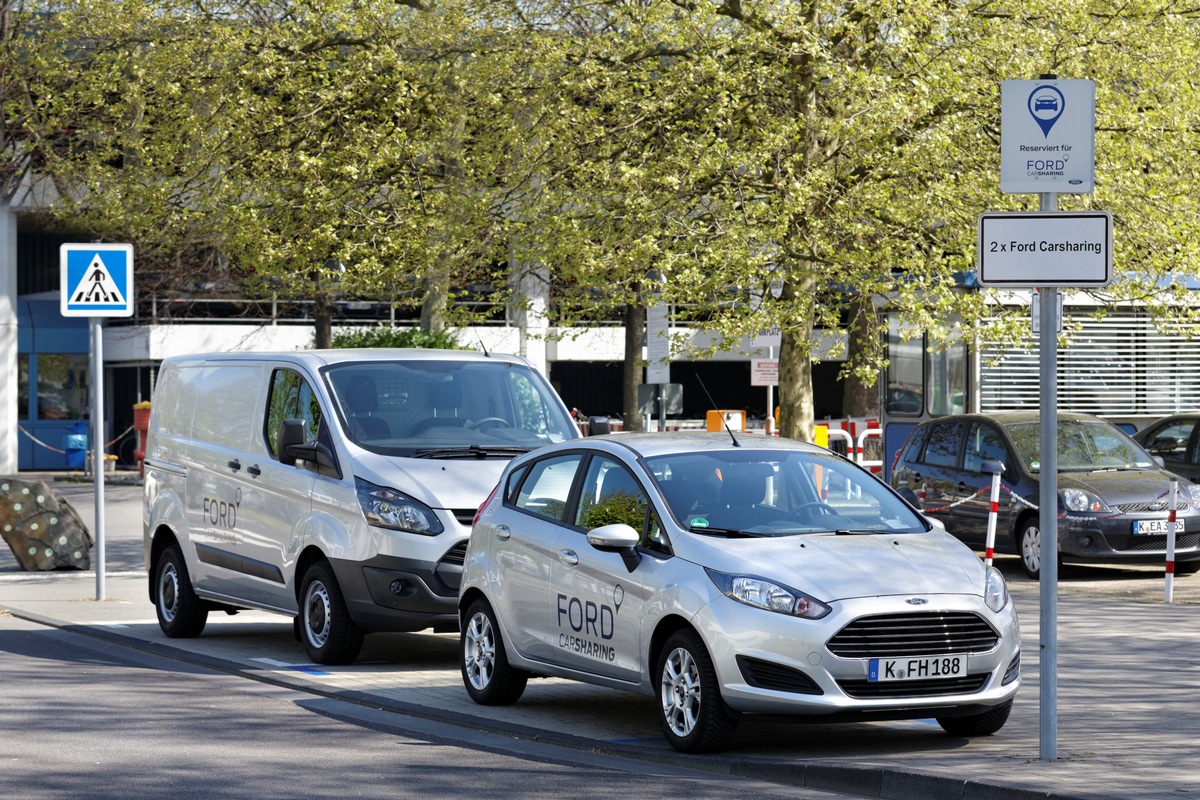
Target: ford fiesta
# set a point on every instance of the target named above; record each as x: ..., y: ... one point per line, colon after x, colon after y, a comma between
x: 729, y: 578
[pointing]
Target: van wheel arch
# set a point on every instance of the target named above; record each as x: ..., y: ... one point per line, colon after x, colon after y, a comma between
x: 164, y: 537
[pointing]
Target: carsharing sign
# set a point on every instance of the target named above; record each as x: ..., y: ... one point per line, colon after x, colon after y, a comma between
x: 1047, y: 136
x: 1021, y: 251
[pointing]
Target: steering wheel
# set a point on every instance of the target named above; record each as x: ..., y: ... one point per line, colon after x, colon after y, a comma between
x: 478, y: 424
x: 824, y: 508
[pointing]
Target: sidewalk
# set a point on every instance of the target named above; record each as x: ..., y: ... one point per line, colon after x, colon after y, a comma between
x: 1128, y: 694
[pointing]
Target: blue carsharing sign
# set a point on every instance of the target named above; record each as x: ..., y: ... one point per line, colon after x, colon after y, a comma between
x: 1047, y: 136
x: 1019, y: 250
x: 97, y: 280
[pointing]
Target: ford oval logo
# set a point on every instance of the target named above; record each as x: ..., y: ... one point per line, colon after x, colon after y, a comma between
x: 916, y: 601
x: 1075, y: 181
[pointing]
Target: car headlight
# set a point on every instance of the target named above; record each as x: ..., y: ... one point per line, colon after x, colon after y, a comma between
x: 995, y: 590
x: 388, y: 508
x: 1194, y: 492
x: 1080, y: 500
x: 762, y: 593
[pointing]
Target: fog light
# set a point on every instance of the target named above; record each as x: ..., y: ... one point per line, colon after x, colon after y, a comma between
x: 1085, y: 541
x: 397, y: 587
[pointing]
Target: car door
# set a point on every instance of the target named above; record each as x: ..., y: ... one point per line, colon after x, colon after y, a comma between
x: 938, y: 475
x: 527, y: 551
x: 597, y: 600
x: 970, y: 517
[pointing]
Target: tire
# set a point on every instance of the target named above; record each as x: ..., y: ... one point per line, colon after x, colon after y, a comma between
x: 984, y: 724
x: 489, y: 678
x: 181, y: 614
x: 1029, y: 544
x: 328, y: 634
x: 694, y: 718
x: 1187, y: 568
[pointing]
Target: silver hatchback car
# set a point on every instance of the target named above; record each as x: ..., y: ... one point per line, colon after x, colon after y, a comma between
x: 729, y: 578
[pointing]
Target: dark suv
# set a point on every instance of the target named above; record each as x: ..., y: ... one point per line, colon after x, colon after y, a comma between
x: 1112, y: 495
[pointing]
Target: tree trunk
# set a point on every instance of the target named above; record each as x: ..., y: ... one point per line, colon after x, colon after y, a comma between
x: 437, y: 300
x: 860, y: 397
x: 323, y: 322
x: 631, y: 375
x: 795, y: 364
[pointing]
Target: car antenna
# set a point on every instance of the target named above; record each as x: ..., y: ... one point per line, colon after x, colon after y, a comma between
x: 482, y: 346
x: 724, y: 421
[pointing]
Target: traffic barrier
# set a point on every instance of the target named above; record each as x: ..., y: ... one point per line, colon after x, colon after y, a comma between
x: 993, y: 512
x: 1169, y: 587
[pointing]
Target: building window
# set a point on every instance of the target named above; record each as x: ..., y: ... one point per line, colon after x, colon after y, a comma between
x: 62, y: 386
x: 23, y: 386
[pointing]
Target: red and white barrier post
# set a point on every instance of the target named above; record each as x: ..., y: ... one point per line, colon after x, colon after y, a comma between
x: 1169, y: 590
x: 994, y: 467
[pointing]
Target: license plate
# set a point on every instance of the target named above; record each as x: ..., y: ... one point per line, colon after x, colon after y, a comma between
x: 916, y: 669
x: 1141, y: 526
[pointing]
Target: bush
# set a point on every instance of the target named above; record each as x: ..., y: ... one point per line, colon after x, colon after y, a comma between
x: 388, y: 336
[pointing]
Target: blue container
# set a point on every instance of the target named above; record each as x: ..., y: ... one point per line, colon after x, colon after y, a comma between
x: 76, y: 445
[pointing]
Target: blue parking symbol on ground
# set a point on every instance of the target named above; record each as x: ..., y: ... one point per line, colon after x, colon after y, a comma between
x: 97, y: 280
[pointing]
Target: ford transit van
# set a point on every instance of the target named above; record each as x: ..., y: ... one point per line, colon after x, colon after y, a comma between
x: 335, y: 486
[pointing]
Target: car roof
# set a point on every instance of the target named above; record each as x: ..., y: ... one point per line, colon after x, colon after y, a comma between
x: 657, y: 444
x: 323, y: 358
x: 1006, y: 417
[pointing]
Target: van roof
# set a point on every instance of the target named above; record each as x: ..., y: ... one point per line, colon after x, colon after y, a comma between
x: 323, y: 358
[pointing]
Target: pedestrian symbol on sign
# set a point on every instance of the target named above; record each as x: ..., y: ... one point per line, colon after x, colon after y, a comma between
x: 97, y: 287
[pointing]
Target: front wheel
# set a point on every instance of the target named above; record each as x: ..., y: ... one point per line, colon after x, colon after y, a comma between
x: 984, y: 724
x: 328, y: 634
x: 1029, y: 543
x: 489, y: 678
x: 694, y: 717
x: 181, y: 614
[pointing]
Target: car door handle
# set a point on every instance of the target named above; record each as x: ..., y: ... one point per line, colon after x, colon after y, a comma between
x: 503, y: 533
x: 568, y: 557
x: 254, y: 470
x: 234, y: 465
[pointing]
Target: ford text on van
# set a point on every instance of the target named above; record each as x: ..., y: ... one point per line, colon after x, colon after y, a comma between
x: 336, y: 486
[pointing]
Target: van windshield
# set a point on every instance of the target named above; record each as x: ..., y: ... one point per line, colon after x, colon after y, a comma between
x: 447, y: 409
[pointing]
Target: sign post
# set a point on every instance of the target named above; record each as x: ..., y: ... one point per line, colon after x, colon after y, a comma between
x: 97, y: 282
x: 1047, y: 146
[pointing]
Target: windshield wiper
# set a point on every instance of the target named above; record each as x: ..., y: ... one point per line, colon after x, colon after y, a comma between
x: 474, y: 451
x: 858, y: 533
x: 729, y: 532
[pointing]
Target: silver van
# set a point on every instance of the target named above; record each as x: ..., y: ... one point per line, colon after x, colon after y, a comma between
x: 337, y: 487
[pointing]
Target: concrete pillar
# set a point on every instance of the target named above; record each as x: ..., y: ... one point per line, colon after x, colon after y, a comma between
x: 531, y: 311
x: 8, y: 341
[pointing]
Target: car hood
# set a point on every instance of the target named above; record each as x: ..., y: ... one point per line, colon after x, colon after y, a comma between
x: 438, y: 483
x: 1124, y: 486
x: 833, y: 567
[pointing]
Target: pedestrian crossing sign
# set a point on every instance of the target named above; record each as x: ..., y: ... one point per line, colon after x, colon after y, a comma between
x: 97, y: 280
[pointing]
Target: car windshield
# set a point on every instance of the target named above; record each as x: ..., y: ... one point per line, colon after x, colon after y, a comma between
x: 1083, y: 446
x: 777, y: 493
x: 447, y: 409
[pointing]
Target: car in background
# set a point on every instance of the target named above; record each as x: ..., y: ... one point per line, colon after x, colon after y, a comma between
x: 1113, y: 496
x: 1176, y: 440
x: 728, y: 578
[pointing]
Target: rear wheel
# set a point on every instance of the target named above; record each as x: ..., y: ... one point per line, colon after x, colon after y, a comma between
x: 489, y: 678
x: 181, y: 614
x: 984, y: 724
x: 694, y: 718
x: 328, y: 634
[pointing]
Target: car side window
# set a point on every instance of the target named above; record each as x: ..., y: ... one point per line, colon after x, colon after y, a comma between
x: 291, y: 398
x: 547, y: 486
x: 984, y: 444
x: 942, y: 444
x: 1170, y: 441
x: 610, y: 494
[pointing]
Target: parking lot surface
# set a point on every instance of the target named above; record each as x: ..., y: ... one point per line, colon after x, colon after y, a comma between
x: 1128, y: 676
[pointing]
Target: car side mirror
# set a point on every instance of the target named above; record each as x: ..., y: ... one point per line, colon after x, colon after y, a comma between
x: 619, y: 538
x: 292, y: 432
x: 598, y: 426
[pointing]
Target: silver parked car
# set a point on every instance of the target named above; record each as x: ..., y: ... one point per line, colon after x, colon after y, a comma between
x: 729, y: 578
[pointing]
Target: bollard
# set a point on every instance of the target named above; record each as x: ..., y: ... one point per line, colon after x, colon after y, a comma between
x: 1169, y: 588
x: 994, y: 467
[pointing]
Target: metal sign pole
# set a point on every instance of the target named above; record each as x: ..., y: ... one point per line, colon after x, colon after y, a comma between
x: 1048, y: 500
x: 97, y: 370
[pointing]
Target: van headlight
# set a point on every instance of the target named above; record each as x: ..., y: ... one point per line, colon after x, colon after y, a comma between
x: 388, y: 508
x: 1079, y: 500
x: 762, y: 593
x: 995, y: 590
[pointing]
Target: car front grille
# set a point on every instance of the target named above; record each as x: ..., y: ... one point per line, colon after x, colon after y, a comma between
x: 465, y: 516
x: 1181, y: 504
x: 931, y: 633
x: 967, y: 684
x: 1156, y: 543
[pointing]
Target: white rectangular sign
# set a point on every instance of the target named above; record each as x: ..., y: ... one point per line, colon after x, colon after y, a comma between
x: 1028, y: 250
x: 658, y: 345
x: 1047, y: 136
x: 764, y: 372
